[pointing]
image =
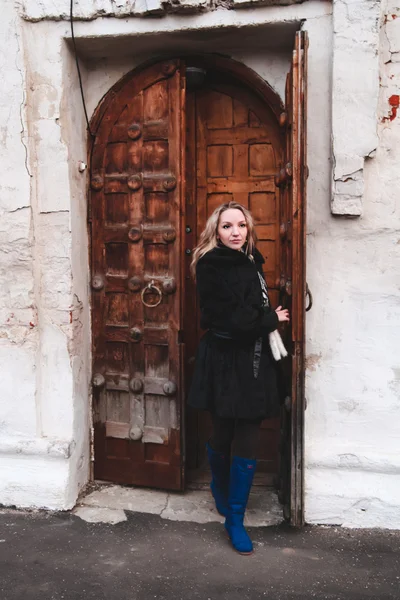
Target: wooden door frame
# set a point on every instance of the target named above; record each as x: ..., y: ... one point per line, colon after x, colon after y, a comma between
x: 250, y: 79
x: 299, y: 208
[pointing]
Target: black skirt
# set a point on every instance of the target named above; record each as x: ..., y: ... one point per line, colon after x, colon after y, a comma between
x: 224, y: 382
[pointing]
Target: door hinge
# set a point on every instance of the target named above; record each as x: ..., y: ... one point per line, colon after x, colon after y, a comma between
x: 92, y: 444
x: 180, y: 336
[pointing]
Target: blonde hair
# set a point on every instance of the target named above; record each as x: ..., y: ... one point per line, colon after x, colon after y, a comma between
x: 208, y: 238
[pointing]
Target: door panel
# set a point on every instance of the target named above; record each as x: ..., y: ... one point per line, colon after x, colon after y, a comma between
x: 135, y: 202
x: 235, y: 147
x: 292, y: 182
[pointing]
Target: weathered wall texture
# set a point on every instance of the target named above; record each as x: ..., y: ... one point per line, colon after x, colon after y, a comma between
x: 353, y: 379
x: 45, y: 362
x: 36, y: 10
x: 18, y: 318
x: 18, y: 340
x: 353, y: 383
x: 354, y: 99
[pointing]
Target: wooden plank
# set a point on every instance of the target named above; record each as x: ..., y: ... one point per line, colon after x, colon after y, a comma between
x: 159, y: 234
x: 117, y: 382
x: 299, y: 162
x: 118, y: 430
x: 189, y: 302
x: 244, y: 135
x: 155, y: 335
x: 155, y: 385
x: 154, y: 435
x: 266, y: 232
x: 293, y: 225
x: 155, y: 130
x: 136, y: 267
x: 232, y: 186
x: 117, y: 464
x: 117, y: 334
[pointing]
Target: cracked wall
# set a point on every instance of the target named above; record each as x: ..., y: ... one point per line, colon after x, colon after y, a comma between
x: 34, y: 10
x: 44, y: 338
x: 353, y: 415
x: 18, y: 336
x: 353, y: 383
x: 354, y: 100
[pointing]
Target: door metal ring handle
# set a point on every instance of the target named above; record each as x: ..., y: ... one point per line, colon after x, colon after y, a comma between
x: 310, y: 298
x: 151, y: 287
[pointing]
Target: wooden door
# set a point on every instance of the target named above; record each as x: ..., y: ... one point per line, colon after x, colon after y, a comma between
x: 234, y: 150
x: 136, y: 192
x: 292, y: 182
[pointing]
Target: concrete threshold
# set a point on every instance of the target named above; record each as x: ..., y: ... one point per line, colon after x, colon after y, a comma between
x: 109, y: 504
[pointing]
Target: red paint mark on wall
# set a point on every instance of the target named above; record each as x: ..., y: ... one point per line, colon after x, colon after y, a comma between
x: 394, y: 102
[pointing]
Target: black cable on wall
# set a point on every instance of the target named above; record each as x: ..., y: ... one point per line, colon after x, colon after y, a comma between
x: 71, y: 18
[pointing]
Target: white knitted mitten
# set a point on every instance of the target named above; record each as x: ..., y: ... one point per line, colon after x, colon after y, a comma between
x: 277, y: 347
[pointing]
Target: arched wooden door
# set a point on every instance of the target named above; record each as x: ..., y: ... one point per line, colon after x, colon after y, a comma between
x: 135, y: 201
x: 146, y: 211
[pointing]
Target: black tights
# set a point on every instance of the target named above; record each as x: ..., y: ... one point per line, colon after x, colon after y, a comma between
x: 237, y: 436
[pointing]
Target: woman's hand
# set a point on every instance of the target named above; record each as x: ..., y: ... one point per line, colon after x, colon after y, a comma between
x: 283, y: 314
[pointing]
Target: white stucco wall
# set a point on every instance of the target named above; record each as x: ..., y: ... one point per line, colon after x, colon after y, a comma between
x: 353, y: 415
x: 45, y: 335
x: 352, y: 388
x: 355, y: 89
x: 18, y: 339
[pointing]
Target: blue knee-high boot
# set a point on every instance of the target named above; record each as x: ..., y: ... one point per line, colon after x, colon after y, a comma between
x: 241, y: 479
x: 220, y: 467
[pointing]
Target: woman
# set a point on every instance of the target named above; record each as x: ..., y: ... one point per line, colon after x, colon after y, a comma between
x: 235, y: 372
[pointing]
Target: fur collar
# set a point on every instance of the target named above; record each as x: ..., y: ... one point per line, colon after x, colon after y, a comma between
x: 222, y: 255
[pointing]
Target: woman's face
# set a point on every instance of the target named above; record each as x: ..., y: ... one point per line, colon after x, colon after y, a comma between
x: 232, y: 228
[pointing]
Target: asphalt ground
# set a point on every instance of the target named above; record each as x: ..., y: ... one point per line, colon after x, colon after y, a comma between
x: 54, y: 556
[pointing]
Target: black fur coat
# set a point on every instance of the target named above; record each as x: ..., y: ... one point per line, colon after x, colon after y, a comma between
x: 232, y: 312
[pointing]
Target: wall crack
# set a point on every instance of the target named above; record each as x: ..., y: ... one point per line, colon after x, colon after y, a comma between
x: 22, y: 105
